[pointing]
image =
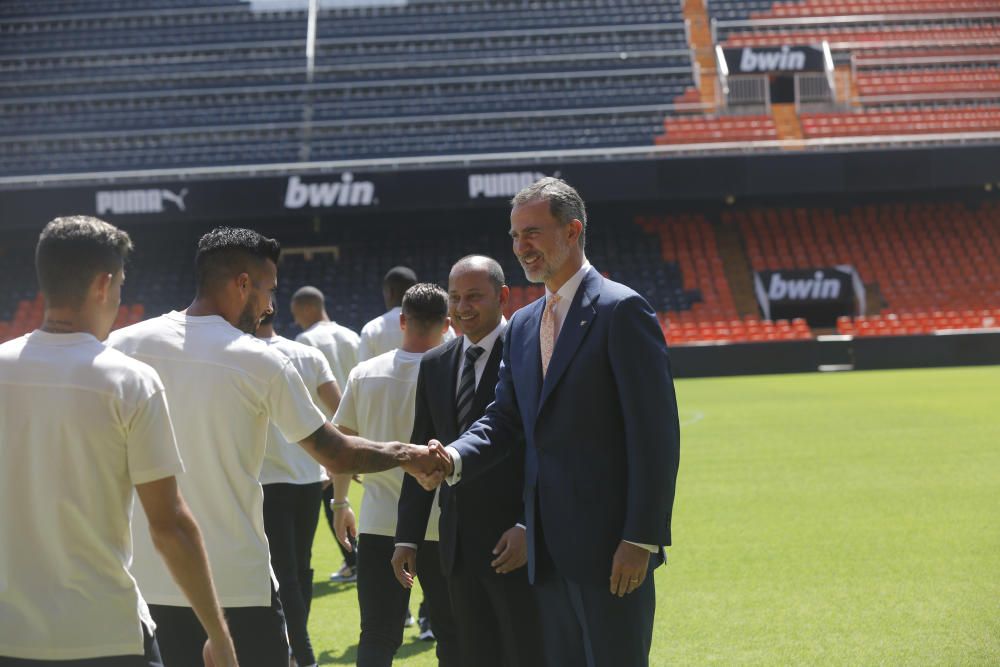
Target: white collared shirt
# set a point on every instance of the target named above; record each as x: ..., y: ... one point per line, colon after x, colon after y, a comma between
x: 487, y: 342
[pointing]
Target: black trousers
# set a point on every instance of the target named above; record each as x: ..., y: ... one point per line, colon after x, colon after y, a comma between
x: 496, y: 617
x: 350, y: 557
x: 150, y: 658
x: 383, y: 603
x: 258, y: 634
x: 291, y: 512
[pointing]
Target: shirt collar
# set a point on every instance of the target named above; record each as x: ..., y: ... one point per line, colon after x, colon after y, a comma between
x: 488, y: 341
x: 569, y: 288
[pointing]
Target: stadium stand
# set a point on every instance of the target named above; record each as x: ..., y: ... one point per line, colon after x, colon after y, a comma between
x: 698, y: 129
x: 846, y: 33
x: 935, y: 265
x: 854, y: 7
x: 212, y: 83
x: 95, y: 85
x: 901, y: 121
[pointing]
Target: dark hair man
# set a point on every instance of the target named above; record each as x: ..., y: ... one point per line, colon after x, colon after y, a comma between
x: 225, y: 386
x: 292, y: 485
x: 586, y: 382
x: 382, y: 334
x: 97, y: 422
x: 378, y: 403
x: 482, y: 546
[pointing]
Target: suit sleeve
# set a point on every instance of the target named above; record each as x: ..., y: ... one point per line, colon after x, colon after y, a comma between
x: 489, y: 440
x: 415, y: 503
x: 642, y: 374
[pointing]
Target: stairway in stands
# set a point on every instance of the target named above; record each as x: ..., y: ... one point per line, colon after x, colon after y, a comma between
x: 786, y: 120
x: 700, y: 41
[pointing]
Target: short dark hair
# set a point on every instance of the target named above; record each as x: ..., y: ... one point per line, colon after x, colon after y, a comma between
x: 71, y: 251
x: 398, y: 279
x: 565, y: 203
x: 226, y: 252
x: 308, y: 294
x: 492, y: 267
x: 426, y: 305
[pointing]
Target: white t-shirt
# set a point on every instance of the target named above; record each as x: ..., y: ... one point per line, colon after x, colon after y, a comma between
x: 337, y: 343
x: 286, y: 462
x: 224, y: 386
x: 383, y: 334
x: 80, y: 426
x: 378, y: 403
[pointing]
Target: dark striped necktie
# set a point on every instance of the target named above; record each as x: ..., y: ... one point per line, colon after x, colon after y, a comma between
x: 467, y: 388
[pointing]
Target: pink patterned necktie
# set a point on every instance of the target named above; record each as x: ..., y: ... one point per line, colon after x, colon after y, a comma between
x: 547, y: 333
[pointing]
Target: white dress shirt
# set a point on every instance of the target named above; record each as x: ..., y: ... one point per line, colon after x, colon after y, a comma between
x: 486, y: 342
x: 566, y: 295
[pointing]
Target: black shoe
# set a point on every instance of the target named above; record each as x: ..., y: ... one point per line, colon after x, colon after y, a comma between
x: 426, y: 634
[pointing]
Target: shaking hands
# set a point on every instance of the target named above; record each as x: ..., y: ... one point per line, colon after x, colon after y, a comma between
x: 430, y: 465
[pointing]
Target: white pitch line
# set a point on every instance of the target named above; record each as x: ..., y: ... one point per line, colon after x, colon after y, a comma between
x: 697, y: 417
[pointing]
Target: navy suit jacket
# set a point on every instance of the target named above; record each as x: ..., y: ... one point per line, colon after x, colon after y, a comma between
x: 601, y: 435
x: 473, y: 516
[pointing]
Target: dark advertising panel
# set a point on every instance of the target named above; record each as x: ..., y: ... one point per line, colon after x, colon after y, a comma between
x: 774, y: 59
x: 818, y: 295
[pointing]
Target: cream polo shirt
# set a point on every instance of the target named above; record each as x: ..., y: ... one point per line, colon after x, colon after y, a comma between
x: 383, y: 334
x: 224, y: 387
x: 337, y: 343
x: 80, y: 426
x: 287, y: 462
x: 379, y: 403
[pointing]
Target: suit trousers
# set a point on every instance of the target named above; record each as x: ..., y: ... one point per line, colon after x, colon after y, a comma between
x: 584, y: 624
x: 383, y: 602
x: 258, y: 634
x: 150, y: 658
x: 497, y: 618
x: 291, y: 512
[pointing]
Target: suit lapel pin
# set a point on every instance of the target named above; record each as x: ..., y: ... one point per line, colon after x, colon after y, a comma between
x: 583, y: 322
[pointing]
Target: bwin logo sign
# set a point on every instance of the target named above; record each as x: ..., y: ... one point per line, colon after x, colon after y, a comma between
x: 803, y: 289
x: 131, y: 202
x: 772, y: 61
x: 503, y: 184
x: 345, y: 192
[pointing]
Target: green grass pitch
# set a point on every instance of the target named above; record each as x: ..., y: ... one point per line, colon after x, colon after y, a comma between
x: 822, y: 519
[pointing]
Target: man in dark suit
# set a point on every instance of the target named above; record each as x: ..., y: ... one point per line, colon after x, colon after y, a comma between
x: 585, y: 381
x: 483, y: 547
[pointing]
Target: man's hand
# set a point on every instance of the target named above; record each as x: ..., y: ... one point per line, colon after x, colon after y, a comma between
x: 511, y: 550
x: 404, y: 564
x: 345, y: 526
x: 628, y: 568
x: 429, y: 466
x: 219, y: 653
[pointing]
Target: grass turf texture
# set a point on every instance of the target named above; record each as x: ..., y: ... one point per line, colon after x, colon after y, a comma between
x: 837, y: 519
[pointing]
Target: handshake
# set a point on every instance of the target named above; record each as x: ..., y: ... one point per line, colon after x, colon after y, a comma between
x: 430, y: 465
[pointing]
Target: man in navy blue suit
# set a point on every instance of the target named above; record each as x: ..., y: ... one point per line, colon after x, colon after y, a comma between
x: 585, y: 382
